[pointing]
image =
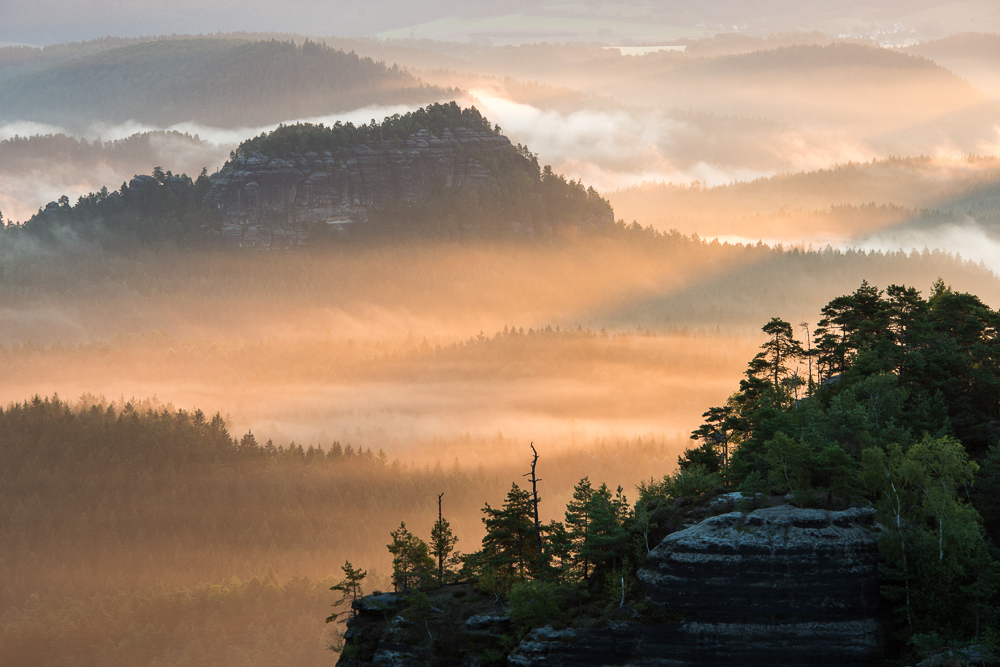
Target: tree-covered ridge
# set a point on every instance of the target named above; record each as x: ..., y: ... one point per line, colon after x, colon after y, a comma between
x: 810, y: 57
x: 892, y: 402
x: 20, y: 153
x: 302, y: 138
x: 892, y: 399
x: 223, y: 82
x: 161, y: 210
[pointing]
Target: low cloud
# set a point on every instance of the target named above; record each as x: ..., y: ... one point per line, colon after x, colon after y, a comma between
x: 617, y: 148
x: 968, y: 240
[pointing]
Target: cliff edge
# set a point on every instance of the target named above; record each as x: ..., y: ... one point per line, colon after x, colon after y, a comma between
x: 781, y: 586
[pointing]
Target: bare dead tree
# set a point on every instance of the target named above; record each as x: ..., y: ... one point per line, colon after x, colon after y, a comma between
x: 535, y: 500
x: 809, y: 357
x: 440, y: 552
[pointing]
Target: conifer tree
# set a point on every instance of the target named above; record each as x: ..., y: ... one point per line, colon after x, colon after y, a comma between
x: 781, y: 348
x: 350, y: 589
x: 606, y: 544
x: 442, y: 545
x: 412, y: 565
x: 509, y: 544
x: 578, y: 525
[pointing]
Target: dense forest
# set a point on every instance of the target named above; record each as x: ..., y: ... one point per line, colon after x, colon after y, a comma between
x: 892, y: 401
x: 161, y: 210
x: 219, y: 82
x: 135, y: 152
x: 177, y: 530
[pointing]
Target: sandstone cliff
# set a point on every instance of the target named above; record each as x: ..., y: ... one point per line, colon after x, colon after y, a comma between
x: 778, y: 586
x: 457, y: 179
x: 781, y: 586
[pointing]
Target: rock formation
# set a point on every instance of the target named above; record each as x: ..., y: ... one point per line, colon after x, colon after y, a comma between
x: 777, y: 587
x: 271, y: 201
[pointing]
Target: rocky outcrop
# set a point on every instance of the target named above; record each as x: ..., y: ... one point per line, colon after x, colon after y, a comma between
x: 779, y: 586
x: 271, y: 201
x: 453, y: 625
x: 776, y: 587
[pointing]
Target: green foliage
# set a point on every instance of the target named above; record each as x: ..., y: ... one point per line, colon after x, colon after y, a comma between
x: 694, y: 481
x: 889, y: 366
x: 538, y: 201
x: 412, y: 564
x: 442, y: 548
x: 986, y: 498
x: 578, y: 526
x: 302, y: 138
x: 534, y: 603
x: 160, y: 211
x: 509, y: 546
x: 606, y: 546
x: 781, y: 348
x: 350, y: 590
x: 935, y: 549
x: 164, y: 210
x: 906, y: 393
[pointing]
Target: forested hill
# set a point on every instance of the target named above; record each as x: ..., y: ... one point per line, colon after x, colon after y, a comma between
x: 221, y: 82
x: 439, y: 171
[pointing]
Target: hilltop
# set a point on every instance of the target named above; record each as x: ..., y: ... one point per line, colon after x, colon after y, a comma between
x: 221, y: 82
x: 438, y: 171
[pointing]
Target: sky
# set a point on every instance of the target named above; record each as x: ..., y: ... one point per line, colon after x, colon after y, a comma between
x: 42, y: 22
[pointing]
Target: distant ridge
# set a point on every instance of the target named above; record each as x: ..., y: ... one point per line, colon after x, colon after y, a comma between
x: 222, y: 82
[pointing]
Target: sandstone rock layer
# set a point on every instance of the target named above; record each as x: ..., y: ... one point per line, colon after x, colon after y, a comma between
x: 776, y: 587
x: 271, y: 201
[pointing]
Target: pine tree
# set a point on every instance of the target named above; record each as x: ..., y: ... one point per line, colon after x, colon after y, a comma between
x: 442, y: 546
x: 578, y: 525
x: 509, y: 546
x: 350, y: 589
x: 781, y: 348
x: 606, y: 545
x: 412, y: 565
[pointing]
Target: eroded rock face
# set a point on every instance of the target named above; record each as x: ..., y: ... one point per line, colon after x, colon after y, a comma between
x: 275, y: 202
x: 779, y: 586
x: 779, y: 564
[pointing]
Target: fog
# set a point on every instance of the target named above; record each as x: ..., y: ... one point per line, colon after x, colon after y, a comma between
x: 626, y: 147
x: 967, y: 239
x: 366, y: 359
